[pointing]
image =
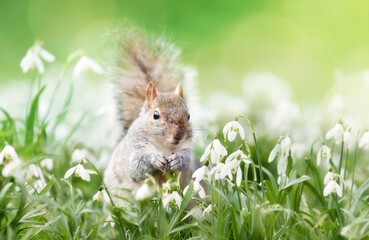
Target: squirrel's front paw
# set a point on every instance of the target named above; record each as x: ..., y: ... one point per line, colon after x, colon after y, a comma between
x: 175, y: 162
x: 159, y: 162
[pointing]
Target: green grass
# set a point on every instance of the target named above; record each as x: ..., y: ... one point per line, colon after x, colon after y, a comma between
x: 260, y: 207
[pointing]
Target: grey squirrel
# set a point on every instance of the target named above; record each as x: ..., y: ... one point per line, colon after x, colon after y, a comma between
x: 154, y: 113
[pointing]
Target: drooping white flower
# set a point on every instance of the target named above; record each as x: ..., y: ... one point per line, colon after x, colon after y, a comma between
x: 216, y: 171
x: 79, y: 155
x: 332, y: 186
x: 214, y: 151
x: 200, y: 173
x: 197, y: 188
x: 33, y: 59
x: 328, y: 177
x: 231, y: 129
x: 143, y: 192
x: 364, y: 141
x: 324, y: 153
x: 232, y: 166
x: 12, y: 169
x: 79, y: 171
x: 207, y: 210
x: 109, y: 220
x: 336, y: 132
x: 86, y: 63
x: 285, y: 147
x: 239, y: 155
x: 101, y: 195
x: 47, y: 163
x: 166, y: 188
x: 174, y: 199
x: 274, y: 153
x: 9, y: 154
x: 282, y: 165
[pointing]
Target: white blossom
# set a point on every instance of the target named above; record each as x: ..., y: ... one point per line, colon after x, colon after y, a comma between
x: 79, y: 155
x: 285, y: 147
x: 174, y: 199
x: 207, y: 210
x: 101, y: 195
x: 232, y: 166
x: 336, y: 132
x: 324, y: 153
x: 231, y: 129
x: 33, y: 59
x: 12, y: 169
x: 143, y: 192
x: 200, y: 173
x: 216, y: 171
x: 79, y: 171
x: 364, y: 141
x: 282, y: 165
x: 86, y: 63
x: 109, y: 220
x: 166, y: 188
x: 332, y: 186
x: 276, y: 151
x: 47, y: 163
x: 215, y: 151
x: 9, y: 154
x: 328, y: 177
x: 197, y: 188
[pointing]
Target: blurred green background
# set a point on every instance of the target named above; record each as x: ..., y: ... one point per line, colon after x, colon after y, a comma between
x: 302, y: 42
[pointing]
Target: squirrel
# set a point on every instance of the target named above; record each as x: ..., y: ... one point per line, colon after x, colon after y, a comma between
x: 154, y: 113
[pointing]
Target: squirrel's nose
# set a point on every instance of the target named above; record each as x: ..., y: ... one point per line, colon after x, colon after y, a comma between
x: 178, y: 135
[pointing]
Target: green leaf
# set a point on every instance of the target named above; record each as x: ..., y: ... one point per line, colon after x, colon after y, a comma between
x: 357, y: 195
x: 31, y: 118
x: 296, y: 181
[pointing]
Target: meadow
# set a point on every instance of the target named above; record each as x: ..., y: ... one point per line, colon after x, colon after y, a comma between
x: 256, y: 183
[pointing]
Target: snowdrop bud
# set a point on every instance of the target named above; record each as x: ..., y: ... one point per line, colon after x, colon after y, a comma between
x: 324, y: 153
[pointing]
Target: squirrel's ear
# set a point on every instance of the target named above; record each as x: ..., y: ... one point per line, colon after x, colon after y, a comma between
x: 151, y: 94
x: 179, y: 90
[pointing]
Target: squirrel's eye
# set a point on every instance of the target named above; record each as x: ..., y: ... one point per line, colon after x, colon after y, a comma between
x: 188, y: 116
x: 156, y: 115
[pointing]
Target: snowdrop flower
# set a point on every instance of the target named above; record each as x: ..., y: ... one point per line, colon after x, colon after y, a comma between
x: 328, y: 177
x: 274, y: 153
x: 34, y: 170
x: 109, y: 220
x: 238, y: 155
x: 324, y: 153
x: 12, y: 169
x: 200, y: 173
x: 174, y: 199
x: 231, y: 129
x: 101, y: 195
x: 9, y: 154
x: 143, y: 192
x: 336, y: 132
x: 79, y: 171
x: 207, y: 210
x: 78, y: 155
x: 33, y: 59
x: 282, y: 165
x: 216, y: 171
x: 197, y: 188
x: 166, y: 188
x: 86, y: 63
x: 285, y: 147
x: 348, y: 233
x: 364, y: 141
x: 214, y: 150
x: 47, y: 163
x: 332, y: 186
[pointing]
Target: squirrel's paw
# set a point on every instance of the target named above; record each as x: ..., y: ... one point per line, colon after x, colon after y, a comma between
x: 159, y: 162
x: 175, y: 162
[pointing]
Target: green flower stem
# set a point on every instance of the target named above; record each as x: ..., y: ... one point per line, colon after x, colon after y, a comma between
x: 306, y: 171
x: 257, y: 154
x: 354, y: 165
x: 111, y: 199
x: 347, y: 154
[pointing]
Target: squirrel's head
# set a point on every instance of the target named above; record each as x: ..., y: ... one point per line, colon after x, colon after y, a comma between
x: 167, y: 115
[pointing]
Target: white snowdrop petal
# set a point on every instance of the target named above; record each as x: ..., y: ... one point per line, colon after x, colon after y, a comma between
x: 274, y: 152
x: 239, y: 176
x: 46, y: 55
x: 95, y: 67
x: 69, y: 172
x: 232, y: 135
x: 226, y: 128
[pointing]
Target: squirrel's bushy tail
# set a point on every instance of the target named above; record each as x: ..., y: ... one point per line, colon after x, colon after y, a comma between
x: 139, y: 62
